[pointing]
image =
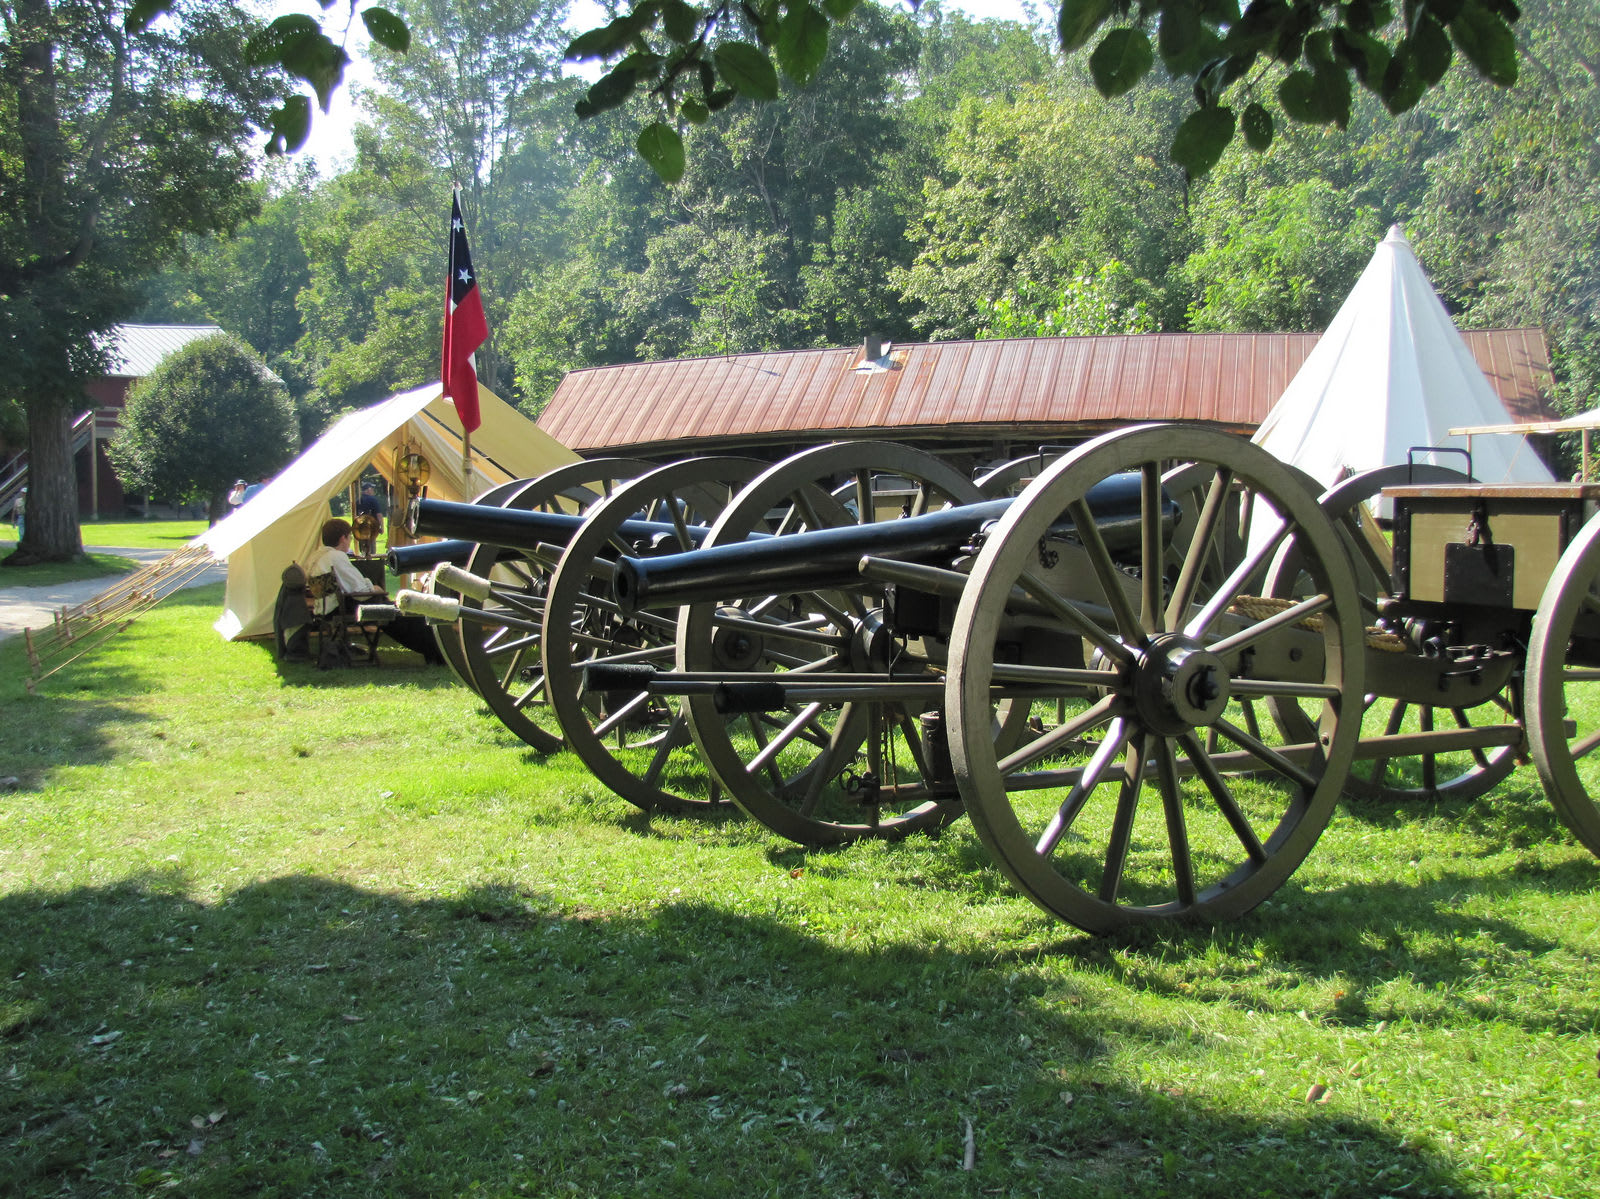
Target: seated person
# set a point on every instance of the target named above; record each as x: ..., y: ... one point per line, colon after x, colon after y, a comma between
x: 333, y: 557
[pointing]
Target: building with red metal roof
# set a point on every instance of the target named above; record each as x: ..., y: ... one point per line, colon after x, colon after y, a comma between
x: 974, y: 399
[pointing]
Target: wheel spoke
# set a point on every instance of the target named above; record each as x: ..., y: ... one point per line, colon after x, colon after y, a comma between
x: 1233, y: 586
x: 527, y: 696
x: 1278, y: 620
x: 1152, y: 551
x: 826, y: 765
x: 1116, y: 739
x: 1585, y: 746
x: 676, y: 735
x: 1199, y: 551
x: 1177, y: 829
x: 1256, y: 748
x: 1122, y: 824
x: 784, y: 737
x: 1223, y: 795
x: 620, y: 715
x: 1075, y: 618
x: 1105, y: 570
x: 1044, y: 746
x: 1430, y: 770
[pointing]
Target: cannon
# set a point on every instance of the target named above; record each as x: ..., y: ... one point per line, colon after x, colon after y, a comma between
x: 627, y: 737
x: 1148, y: 706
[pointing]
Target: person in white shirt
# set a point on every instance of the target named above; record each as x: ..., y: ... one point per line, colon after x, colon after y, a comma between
x: 334, y: 556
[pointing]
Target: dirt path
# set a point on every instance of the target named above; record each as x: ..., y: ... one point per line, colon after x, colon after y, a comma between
x: 35, y: 607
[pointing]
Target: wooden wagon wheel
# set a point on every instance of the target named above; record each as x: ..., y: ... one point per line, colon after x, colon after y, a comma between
x: 1458, y: 773
x: 1564, y: 687
x: 636, y: 744
x: 1009, y: 478
x: 823, y: 772
x: 1122, y: 814
x: 448, y: 635
x: 503, y: 659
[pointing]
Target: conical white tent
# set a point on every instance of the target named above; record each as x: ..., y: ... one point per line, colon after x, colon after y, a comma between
x: 282, y: 522
x: 1392, y: 373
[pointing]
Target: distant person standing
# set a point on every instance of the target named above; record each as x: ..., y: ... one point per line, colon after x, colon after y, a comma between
x: 250, y: 491
x: 236, y: 493
x: 19, y: 512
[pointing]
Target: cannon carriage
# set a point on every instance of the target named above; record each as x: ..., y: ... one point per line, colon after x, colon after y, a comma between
x: 1147, y: 675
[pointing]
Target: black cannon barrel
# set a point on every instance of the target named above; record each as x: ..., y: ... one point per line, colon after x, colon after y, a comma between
x: 824, y: 558
x: 425, y: 555
x: 517, y: 529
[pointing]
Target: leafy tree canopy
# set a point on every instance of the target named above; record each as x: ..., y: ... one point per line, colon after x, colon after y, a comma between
x: 1242, y: 62
x: 114, y: 146
x: 211, y: 413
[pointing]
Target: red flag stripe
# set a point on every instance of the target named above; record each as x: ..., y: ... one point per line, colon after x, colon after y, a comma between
x: 465, y: 327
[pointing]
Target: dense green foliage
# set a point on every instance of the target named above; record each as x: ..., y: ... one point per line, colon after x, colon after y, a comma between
x: 942, y: 177
x: 113, y: 145
x: 209, y: 414
x: 1242, y: 61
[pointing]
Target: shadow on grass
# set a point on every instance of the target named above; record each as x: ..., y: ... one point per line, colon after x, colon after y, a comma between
x: 304, y: 1036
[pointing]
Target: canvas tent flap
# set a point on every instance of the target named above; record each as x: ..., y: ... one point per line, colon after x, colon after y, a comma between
x: 1391, y: 373
x: 282, y: 522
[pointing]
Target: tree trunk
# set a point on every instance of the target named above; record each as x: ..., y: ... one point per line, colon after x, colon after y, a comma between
x: 51, y: 533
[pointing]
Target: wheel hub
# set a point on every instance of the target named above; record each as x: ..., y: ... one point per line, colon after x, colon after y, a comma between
x: 1178, y: 685
x: 736, y: 647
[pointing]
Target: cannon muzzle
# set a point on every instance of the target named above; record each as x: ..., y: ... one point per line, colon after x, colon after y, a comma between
x: 425, y: 555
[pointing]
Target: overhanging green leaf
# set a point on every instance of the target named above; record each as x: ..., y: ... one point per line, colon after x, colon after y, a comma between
x: 607, y: 92
x: 681, y: 21
x: 289, y: 125
x: 388, y: 30
x: 1298, y: 96
x: 661, y: 146
x: 1078, y: 21
x: 1256, y: 124
x: 1430, y: 50
x: 1488, y: 43
x: 1120, y: 60
x: 747, y: 70
x: 605, y: 41
x: 802, y: 43
x: 1202, y: 138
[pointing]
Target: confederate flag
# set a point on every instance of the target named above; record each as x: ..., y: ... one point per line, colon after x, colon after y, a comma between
x: 464, y: 325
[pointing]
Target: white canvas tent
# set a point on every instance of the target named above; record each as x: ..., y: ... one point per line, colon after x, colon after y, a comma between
x: 282, y: 522
x: 1391, y: 373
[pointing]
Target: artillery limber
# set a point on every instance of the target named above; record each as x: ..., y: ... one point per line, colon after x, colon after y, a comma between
x: 1147, y: 677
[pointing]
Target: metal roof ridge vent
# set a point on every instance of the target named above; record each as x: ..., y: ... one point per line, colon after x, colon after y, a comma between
x: 876, y: 356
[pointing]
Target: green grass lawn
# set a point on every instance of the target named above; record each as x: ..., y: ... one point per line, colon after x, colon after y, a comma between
x: 133, y: 534
x: 270, y: 931
x: 142, y: 534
